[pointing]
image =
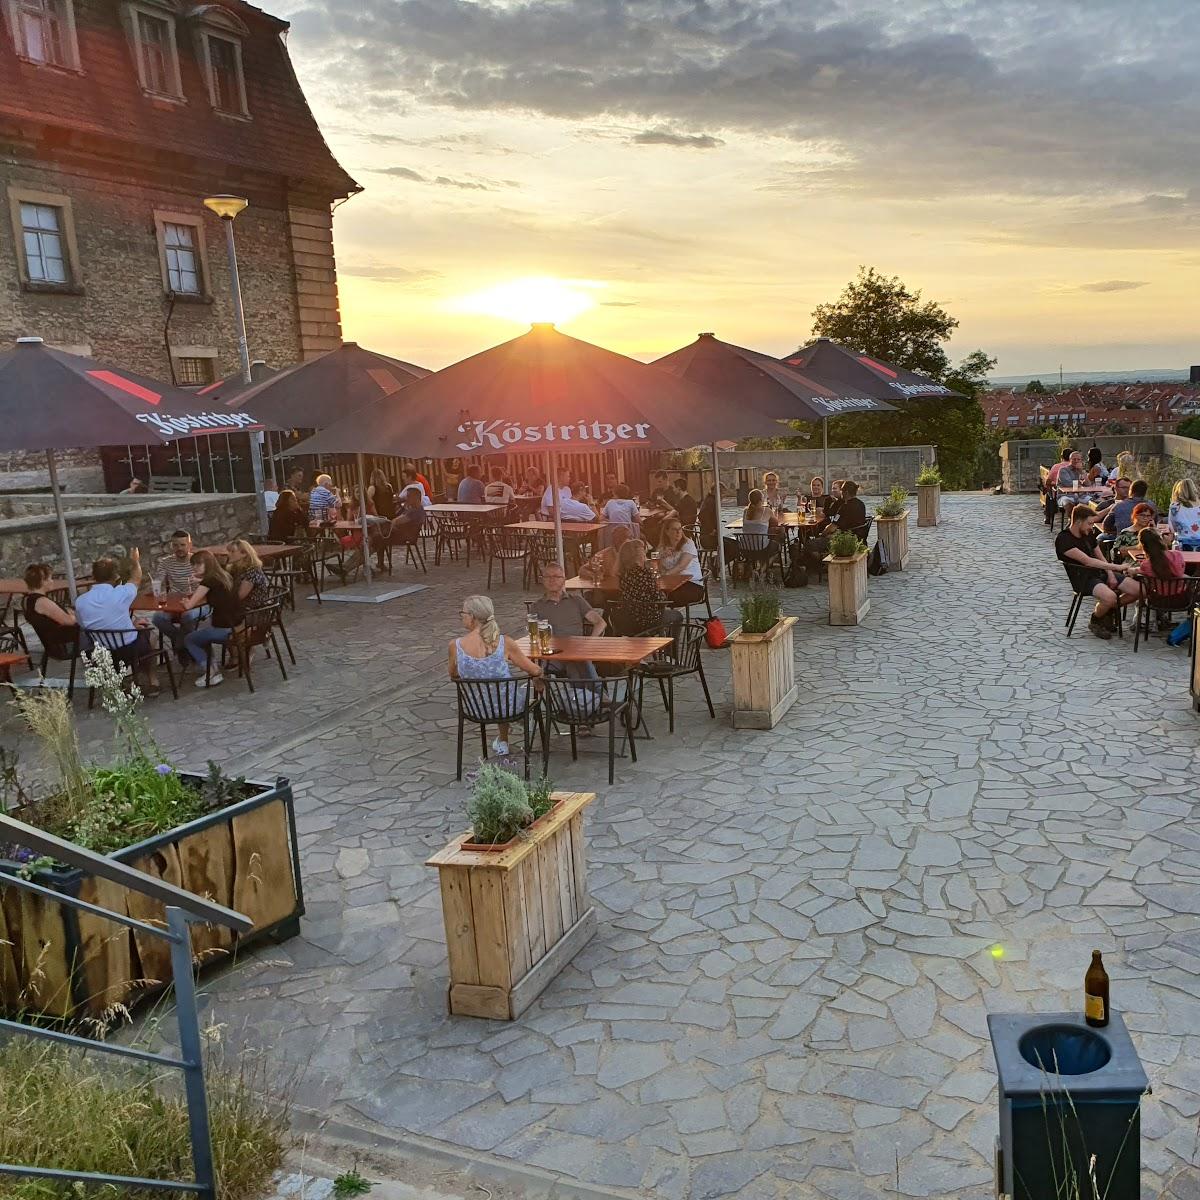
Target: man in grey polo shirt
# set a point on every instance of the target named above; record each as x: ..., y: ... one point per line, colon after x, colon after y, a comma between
x: 570, y: 615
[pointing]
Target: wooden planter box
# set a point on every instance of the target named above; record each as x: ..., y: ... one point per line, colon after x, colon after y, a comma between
x: 892, y: 533
x: 848, y: 602
x: 764, y: 676
x: 514, y: 918
x: 929, y: 504
x: 62, y: 962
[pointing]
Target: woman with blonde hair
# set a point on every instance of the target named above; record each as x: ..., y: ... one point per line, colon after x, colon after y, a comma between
x: 215, y: 588
x: 483, y: 652
x: 253, y: 586
x: 1184, y: 514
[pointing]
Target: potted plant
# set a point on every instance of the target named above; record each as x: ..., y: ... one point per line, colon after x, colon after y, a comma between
x: 764, y: 670
x: 226, y: 839
x: 847, y: 563
x: 929, y: 496
x: 514, y: 893
x: 891, y: 528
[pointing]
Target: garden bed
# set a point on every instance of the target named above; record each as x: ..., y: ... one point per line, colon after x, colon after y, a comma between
x: 61, y: 962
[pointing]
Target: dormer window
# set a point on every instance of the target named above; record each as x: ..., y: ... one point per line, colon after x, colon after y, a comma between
x: 44, y: 31
x: 219, y: 34
x: 151, y: 30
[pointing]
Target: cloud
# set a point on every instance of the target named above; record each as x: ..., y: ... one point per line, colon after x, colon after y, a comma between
x: 664, y: 137
x: 1113, y: 285
x: 385, y: 272
x: 1000, y: 97
x: 472, y: 184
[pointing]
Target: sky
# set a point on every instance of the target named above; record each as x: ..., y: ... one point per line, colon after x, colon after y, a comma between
x: 666, y: 167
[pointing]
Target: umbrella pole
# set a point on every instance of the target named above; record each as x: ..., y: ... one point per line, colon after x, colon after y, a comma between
x: 362, y: 516
x: 558, y: 538
x: 825, y: 468
x: 720, y: 529
x: 63, y: 536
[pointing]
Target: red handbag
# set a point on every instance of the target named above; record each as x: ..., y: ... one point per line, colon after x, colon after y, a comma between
x: 714, y: 633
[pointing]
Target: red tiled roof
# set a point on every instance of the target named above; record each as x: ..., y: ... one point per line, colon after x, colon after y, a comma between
x: 281, y: 137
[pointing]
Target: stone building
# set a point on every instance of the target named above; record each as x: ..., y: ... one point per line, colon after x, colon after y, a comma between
x: 117, y: 117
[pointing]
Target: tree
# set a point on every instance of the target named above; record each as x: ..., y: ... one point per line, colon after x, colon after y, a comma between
x: 970, y: 376
x: 881, y: 317
x: 1189, y: 427
x: 1035, y: 387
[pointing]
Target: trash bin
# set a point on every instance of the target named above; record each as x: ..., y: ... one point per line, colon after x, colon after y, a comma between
x: 1070, y: 1107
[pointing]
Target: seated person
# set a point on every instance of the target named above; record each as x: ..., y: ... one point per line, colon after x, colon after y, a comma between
x: 323, y: 502
x: 470, y: 487
x: 246, y: 569
x: 1092, y: 575
x: 710, y: 520
x: 1159, y: 562
x: 640, y: 598
x: 498, y: 490
x: 532, y: 483
x: 412, y: 482
x: 1184, y: 514
x: 106, y: 605
x: 574, y: 508
x: 1097, y: 472
x: 564, y: 493
x: 622, y: 509
x: 1103, y: 508
x: 1051, y: 483
x: 758, y: 521
x: 1143, y: 517
x: 288, y: 521
x: 677, y: 555
x: 849, y: 512
x: 174, y: 575
x: 215, y: 589
x: 1071, y: 474
x: 52, y: 623
x: 684, y: 503
x: 405, y: 530
x: 609, y: 491
x: 816, y: 499
x: 773, y: 493
x: 658, y: 485
x: 602, y: 566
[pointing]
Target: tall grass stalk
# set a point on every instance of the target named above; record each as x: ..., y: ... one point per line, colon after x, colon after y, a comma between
x: 49, y: 716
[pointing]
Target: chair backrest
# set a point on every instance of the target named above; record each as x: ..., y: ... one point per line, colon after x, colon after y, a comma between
x: 511, y: 543
x: 756, y: 543
x: 451, y: 526
x: 685, y: 652
x: 1169, y: 593
x: 484, y: 700
x: 862, y: 532
x: 256, y: 623
x: 59, y: 641
x: 578, y: 701
x: 620, y: 621
x: 113, y: 640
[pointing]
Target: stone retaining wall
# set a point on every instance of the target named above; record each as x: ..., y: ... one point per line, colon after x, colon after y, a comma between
x: 112, y: 525
x: 876, y: 469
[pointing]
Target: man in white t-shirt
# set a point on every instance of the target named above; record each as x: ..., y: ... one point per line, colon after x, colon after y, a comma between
x: 573, y: 507
x: 564, y: 493
x: 497, y: 491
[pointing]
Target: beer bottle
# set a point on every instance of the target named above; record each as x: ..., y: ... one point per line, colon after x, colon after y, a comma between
x: 1095, y: 993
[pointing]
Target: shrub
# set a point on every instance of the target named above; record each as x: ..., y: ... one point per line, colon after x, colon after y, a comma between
x: 845, y: 544
x: 760, y: 611
x: 929, y: 473
x: 65, y: 1108
x: 895, y: 504
x: 502, y: 806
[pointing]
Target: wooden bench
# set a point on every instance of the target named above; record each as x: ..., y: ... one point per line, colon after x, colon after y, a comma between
x: 171, y: 483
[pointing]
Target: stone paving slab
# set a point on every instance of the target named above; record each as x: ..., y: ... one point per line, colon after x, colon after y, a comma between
x: 786, y: 995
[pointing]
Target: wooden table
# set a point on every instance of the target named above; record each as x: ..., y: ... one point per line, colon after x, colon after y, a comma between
x: 569, y: 528
x: 16, y: 587
x: 174, y: 604
x: 468, y: 510
x: 620, y: 651
x: 1098, y: 489
x: 1191, y: 558
x: 267, y: 552
x: 9, y: 660
x: 788, y: 520
x: 611, y: 586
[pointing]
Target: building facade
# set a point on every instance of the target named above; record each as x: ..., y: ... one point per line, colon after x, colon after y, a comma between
x: 117, y: 118
x: 1133, y: 408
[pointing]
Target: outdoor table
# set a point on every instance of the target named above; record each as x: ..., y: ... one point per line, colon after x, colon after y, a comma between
x: 10, y: 660
x: 175, y: 604
x: 16, y: 587
x: 611, y: 586
x: 1191, y: 558
x: 620, y: 651
x: 468, y: 510
x: 1094, y: 490
x: 790, y: 520
x: 267, y: 552
x: 569, y: 528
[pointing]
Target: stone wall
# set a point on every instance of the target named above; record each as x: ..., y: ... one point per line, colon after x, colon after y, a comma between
x: 116, y: 527
x: 1021, y: 460
x: 876, y: 469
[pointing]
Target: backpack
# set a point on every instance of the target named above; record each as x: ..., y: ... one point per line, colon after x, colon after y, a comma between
x: 876, y: 564
x: 714, y: 633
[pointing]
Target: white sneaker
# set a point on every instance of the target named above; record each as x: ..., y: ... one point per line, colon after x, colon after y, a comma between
x: 215, y: 679
x: 500, y: 748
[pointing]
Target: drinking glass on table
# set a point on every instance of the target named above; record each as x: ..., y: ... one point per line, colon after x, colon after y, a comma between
x: 156, y: 588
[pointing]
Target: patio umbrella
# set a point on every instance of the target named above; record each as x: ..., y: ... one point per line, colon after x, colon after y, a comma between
x: 50, y: 400
x: 838, y: 366
x: 766, y: 385
x: 543, y: 391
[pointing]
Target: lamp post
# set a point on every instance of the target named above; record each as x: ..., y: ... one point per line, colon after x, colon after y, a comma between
x: 227, y: 208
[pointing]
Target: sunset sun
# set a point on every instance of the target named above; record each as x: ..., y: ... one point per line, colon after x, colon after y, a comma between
x: 532, y: 299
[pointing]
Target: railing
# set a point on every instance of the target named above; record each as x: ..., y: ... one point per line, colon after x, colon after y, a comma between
x: 181, y: 909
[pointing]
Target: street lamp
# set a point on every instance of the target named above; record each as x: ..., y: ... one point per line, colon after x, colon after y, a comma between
x: 228, y: 207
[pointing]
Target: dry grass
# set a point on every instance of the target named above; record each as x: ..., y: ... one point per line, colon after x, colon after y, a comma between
x: 80, y: 1111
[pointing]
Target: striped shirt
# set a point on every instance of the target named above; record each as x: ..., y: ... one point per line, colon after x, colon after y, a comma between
x: 320, y: 501
x: 176, y: 573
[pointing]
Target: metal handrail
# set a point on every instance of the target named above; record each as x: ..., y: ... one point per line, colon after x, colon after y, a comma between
x: 181, y: 908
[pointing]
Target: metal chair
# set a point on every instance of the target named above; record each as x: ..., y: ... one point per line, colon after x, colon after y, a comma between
x: 413, y: 542
x: 673, y: 662
x: 540, y: 548
x: 256, y: 629
x: 59, y: 642
x: 454, y: 537
x: 133, y: 654
x: 762, y: 553
x: 1163, y: 597
x: 504, y: 546
x: 485, y: 702
x: 576, y: 702
x: 277, y: 599
x: 1083, y: 579
x: 300, y: 566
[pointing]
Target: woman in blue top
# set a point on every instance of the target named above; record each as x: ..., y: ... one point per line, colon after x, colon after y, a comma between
x: 1184, y: 514
x: 483, y: 652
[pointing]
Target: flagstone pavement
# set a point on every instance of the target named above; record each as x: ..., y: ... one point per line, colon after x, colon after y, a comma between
x: 786, y: 994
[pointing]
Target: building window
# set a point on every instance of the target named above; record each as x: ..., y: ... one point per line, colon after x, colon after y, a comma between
x: 226, y: 84
x: 45, y: 254
x: 182, y: 255
x: 183, y: 263
x: 152, y: 33
x: 195, y: 372
x: 42, y: 228
x: 44, y: 31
